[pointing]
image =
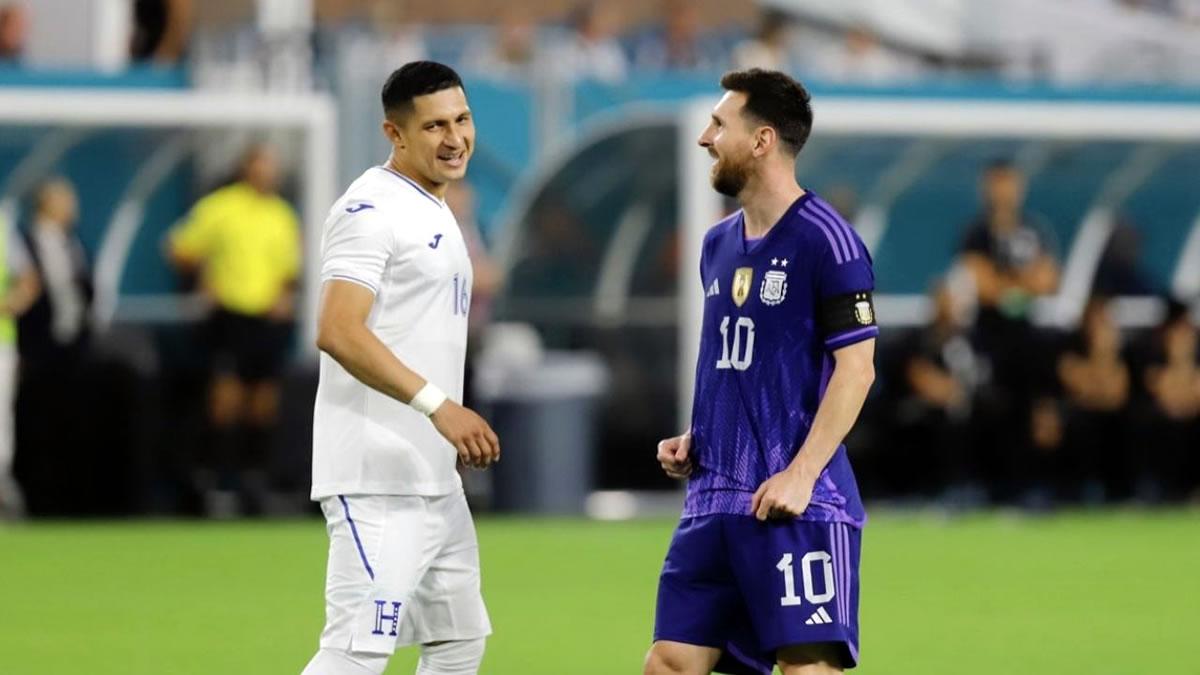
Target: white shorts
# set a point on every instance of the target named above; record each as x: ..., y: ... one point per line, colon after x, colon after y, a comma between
x: 402, y: 571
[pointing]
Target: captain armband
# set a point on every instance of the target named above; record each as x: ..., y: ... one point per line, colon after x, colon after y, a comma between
x: 841, y: 313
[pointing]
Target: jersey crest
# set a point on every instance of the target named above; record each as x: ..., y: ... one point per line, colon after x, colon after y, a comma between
x: 774, y: 288
x: 862, y: 312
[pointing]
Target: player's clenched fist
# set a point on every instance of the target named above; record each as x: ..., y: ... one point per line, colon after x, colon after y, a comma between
x: 784, y: 495
x: 478, y: 446
x: 673, y: 456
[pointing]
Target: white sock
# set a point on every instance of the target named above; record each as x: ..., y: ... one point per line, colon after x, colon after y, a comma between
x: 456, y: 657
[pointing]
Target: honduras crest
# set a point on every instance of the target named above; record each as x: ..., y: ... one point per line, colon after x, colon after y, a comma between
x: 743, y: 277
x: 774, y: 288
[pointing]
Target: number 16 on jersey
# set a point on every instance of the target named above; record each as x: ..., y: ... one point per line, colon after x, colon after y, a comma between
x: 462, y: 296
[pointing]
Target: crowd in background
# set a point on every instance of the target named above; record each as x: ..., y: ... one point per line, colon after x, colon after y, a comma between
x: 986, y: 406
x: 607, y: 41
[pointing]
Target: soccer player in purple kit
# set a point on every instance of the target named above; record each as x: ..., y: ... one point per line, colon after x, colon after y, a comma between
x: 763, y: 567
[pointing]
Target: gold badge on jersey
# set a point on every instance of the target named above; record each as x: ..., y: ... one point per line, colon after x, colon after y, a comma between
x: 742, y: 280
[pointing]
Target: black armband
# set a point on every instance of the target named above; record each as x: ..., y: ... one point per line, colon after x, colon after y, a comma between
x: 841, y: 313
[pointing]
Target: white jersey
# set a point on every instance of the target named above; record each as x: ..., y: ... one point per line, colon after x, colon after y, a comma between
x: 388, y: 234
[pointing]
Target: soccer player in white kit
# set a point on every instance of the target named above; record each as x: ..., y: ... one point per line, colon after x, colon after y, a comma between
x: 388, y: 426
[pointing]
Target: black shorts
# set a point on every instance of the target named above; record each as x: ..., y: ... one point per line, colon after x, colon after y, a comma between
x: 251, y: 347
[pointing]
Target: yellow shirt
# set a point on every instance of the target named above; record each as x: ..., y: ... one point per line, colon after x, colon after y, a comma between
x: 248, y: 245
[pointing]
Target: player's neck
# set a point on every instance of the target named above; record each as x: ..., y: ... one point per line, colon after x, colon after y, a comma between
x: 436, y: 189
x: 764, y: 203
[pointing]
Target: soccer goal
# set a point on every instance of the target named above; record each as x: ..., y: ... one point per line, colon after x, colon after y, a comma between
x: 905, y: 170
x: 139, y: 159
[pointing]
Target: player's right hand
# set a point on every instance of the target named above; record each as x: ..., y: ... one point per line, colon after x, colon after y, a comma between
x: 673, y: 456
x: 477, y: 445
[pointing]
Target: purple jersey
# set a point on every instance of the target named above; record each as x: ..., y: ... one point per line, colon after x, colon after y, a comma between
x: 775, y: 311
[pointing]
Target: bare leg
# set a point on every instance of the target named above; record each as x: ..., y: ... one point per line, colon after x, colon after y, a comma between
x: 820, y: 658
x: 677, y: 658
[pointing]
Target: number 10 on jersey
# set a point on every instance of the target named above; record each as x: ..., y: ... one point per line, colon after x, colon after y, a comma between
x: 740, y: 354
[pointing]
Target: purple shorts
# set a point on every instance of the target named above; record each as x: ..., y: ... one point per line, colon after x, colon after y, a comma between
x: 750, y: 588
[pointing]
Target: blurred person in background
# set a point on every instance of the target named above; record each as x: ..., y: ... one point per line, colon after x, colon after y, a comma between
x: 1095, y: 381
x: 62, y: 402
x: 1119, y: 271
x: 677, y: 43
x: 943, y: 375
x: 860, y: 58
x: 768, y: 47
x: 19, y: 289
x: 14, y: 31
x: 510, y: 52
x: 1169, y: 462
x: 395, y: 24
x: 56, y: 329
x: 1009, y: 256
x: 591, y: 50
x: 161, y: 30
x: 244, y: 242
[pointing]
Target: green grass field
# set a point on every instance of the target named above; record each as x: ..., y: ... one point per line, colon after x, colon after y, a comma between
x: 1115, y: 592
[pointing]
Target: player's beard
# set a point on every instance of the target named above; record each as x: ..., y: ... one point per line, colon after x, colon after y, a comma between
x: 730, y: 177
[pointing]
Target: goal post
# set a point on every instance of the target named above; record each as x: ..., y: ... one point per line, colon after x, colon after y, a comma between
x: 67, y: 115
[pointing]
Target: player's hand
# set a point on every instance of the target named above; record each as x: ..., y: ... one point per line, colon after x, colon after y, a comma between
x: 477, y: 445
x: 784, y: 495
x: 673, y: 456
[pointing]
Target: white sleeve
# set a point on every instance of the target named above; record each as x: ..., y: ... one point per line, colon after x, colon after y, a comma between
x: 357, y: 248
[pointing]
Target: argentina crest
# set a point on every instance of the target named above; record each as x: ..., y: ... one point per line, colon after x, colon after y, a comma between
x: 774, y: 288
x: 862, y: 310
x: 743, y: 277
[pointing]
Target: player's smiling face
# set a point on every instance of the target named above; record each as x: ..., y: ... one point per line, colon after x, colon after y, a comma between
x: 435, y: 139
x: 729, y: 141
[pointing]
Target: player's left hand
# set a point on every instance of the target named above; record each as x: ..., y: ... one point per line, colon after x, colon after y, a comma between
x: 784, y: 495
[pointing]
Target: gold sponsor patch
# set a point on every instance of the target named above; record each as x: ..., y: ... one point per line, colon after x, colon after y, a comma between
x: 743, y: 278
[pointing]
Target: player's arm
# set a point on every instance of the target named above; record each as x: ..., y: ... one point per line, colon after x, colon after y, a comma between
x: 23, y: 291
x: 933, y: 383
x: 990, y: 284
x: 787, y: 493
x: 342, y: 333
x: 1039, y: 277
x: 189, y: 242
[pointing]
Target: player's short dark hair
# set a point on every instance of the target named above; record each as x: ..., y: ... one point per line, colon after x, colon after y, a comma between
x: 999, y: 165
x: 414, y: 79
x: 777, y: 100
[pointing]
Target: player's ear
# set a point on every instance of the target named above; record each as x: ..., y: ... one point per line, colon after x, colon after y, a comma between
x: 764, y: 139
x: 391, y: 130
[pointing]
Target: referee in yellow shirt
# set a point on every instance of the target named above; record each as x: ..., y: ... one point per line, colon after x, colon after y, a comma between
x: 243, y: 241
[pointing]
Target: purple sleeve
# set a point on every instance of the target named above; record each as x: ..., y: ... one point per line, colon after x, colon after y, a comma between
x: 846, y: 311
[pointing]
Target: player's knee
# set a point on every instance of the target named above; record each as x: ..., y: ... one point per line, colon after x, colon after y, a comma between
x: 338, y: 662
x: 818, y: 658
x: 662, y: 661
x: 264, y: 405
x: 454, y: 657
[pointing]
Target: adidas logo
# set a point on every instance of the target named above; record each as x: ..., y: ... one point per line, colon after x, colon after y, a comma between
x: 819, y: 617
x: 713, y: 289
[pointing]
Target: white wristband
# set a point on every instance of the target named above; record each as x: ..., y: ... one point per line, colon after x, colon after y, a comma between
x: 428, y: 399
